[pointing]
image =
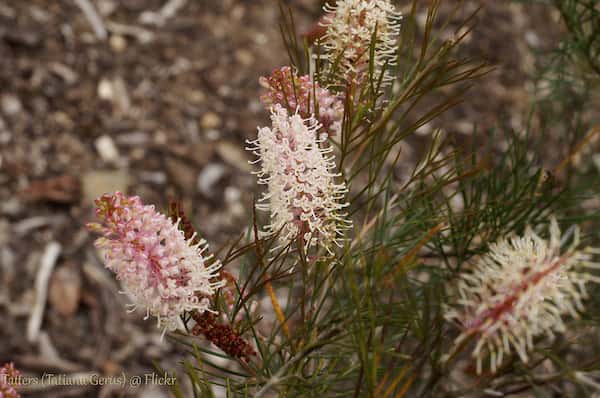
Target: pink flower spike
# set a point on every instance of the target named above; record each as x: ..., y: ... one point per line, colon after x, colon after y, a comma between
x: 9, y: 377
x: 299, y: 93
x: 159, y: 269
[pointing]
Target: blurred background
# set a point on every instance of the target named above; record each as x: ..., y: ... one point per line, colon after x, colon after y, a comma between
x: 156, y: 98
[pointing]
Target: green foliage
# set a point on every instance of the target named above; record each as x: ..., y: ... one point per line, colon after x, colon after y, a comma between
x: 569, y: 76
x: 370, y: 322
x: 495, y: 196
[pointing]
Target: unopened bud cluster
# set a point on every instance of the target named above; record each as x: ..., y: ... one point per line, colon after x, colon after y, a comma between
x: 301, y: 94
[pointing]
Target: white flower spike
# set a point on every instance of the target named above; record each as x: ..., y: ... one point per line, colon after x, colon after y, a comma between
x: 519, y: 290
x: 303, y: 198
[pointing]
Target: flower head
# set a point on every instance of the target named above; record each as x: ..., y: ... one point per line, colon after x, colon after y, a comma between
x: 286, y: 88
x: 8, y: 379
x: 519, y: 290
x: 303, y: 199
x: 159, y: 268
x: 351, y: 25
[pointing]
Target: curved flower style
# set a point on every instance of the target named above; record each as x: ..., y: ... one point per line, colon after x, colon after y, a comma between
x: 519, y: 290
x: 159, y: 268
x: 351, y: 25
x: 8, y: 377
x: 302, y: 197
x: 300, y: 93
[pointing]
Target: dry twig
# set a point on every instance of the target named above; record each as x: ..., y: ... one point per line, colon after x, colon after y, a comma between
x: 93, y: 18
x: 48, y: 262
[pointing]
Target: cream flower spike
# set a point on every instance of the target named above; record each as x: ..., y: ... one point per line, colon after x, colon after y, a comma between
x: 302, y: 196
x: 521, y: 289
x: 350, y: 27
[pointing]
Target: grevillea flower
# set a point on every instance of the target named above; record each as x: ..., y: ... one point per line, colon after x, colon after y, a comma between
x: 520, y: 290
x: 8, y: 380
x: 303, y: 199
x: 299, y: 93
x: 351, y: 25
x: 159, y: 268
x: 229, y: 288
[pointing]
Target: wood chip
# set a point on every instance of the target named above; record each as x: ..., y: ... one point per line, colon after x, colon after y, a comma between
x: 93, y: 18
x: 65, y: 290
